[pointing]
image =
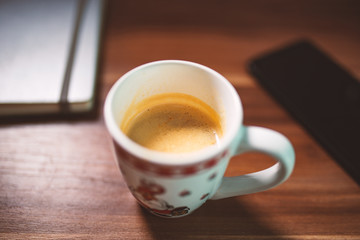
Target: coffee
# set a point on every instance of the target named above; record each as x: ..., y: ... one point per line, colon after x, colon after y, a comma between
x: 172, y: 122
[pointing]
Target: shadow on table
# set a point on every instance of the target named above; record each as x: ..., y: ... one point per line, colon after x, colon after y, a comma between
x: 228, y: 218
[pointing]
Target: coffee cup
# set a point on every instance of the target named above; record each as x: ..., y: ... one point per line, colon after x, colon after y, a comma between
x: 175, y: 183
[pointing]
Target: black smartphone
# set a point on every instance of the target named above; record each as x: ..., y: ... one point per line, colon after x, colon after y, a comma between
x: 319, y: 93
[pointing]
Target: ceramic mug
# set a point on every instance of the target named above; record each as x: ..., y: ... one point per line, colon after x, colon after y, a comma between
x: 175, y: 184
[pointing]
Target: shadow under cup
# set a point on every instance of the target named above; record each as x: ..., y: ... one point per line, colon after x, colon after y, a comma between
x: 172, y: 76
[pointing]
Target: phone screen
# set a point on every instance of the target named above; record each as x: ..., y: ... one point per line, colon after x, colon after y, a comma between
x: 320, y: 94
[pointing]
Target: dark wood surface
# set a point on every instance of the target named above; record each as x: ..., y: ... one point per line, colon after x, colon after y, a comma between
x: 58, y: 178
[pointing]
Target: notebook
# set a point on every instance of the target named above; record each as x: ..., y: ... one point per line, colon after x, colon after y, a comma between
x: 48, y: 55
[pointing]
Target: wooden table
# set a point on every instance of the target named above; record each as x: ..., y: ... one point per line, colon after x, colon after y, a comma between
x: 58, y: 178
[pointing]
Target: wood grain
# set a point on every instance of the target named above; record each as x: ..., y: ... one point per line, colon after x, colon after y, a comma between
x: 58, y: 178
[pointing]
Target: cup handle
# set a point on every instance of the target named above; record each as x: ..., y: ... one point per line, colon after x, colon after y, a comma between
x: 266, y: 141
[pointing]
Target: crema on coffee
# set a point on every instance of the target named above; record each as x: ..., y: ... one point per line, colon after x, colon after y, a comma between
x: 172, y: 122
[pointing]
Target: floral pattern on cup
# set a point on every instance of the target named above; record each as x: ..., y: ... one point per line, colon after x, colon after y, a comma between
x: 146, y: 193
x: 212, y: 176
x: 204, y: 196
x: 165, y: 170
x: 184, y: 193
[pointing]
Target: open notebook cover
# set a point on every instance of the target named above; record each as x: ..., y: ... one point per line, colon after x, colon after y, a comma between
x: 48, y: 55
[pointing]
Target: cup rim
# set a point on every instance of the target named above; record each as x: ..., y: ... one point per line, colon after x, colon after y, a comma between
x: 164, y: 158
